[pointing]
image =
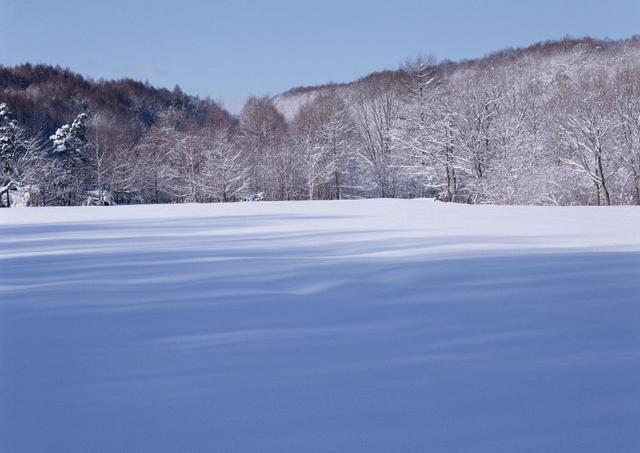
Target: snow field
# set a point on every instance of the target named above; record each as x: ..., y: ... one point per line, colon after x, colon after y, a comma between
x: 351, y: 326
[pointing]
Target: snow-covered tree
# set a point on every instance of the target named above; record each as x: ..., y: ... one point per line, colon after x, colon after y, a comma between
x: 22, y: 160
x: 375, y: 112
x: 316, y: 160
x: 9, y: 152
x: 112, y: 167
x: 69, y: 144
x: 479, y: 110
x: 70, y: 139
x: 333, y: 136
x: 225, y: 167
x: 587, y: 130
x: 152, y: 155
x: 627, y: 107
x: 263, y: 139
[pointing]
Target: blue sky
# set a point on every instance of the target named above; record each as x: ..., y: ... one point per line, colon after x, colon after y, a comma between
x: 230, y: 49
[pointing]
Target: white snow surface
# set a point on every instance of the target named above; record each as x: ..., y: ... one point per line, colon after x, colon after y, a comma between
x: 289, y: 104
x: 350, y: 326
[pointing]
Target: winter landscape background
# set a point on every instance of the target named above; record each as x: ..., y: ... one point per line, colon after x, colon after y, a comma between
x: 557, y: 123
x: 313, y: 243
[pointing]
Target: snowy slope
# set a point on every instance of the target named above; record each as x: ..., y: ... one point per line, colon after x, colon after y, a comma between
x: 289, y: 104
x: 354, y: 326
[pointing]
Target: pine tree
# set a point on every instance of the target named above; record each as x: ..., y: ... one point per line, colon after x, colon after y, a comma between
x: 9, y: 149
x: 69, y: 146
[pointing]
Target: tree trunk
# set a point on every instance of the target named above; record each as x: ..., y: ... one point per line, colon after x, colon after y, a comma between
x: 336, y: 176
x: 603, y: 182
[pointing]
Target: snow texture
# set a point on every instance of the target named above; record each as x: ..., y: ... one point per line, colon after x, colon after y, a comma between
x: 352, y: 326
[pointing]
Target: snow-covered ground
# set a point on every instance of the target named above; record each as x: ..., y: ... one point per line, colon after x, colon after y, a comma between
x: 354, y: 326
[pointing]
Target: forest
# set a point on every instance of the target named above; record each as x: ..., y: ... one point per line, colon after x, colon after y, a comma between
x: 557, y: 123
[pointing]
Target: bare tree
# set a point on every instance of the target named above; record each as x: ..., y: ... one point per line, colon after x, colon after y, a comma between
x: 152, y: 155
x: 333, y: 136
x: 479, y: 108
x: 587, y: 129
x: 226, y: 175
x: 262, y: 135
x: 375, y: 112
x: 627, y: 108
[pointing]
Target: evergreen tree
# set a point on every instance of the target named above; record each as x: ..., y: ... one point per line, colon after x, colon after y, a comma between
x: 9, y: 149
x: 69, y: 147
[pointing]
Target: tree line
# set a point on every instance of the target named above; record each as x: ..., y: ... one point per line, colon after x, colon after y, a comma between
x: 556, y: 123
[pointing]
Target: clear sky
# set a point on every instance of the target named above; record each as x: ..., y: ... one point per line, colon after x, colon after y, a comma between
x: 229, y: 49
